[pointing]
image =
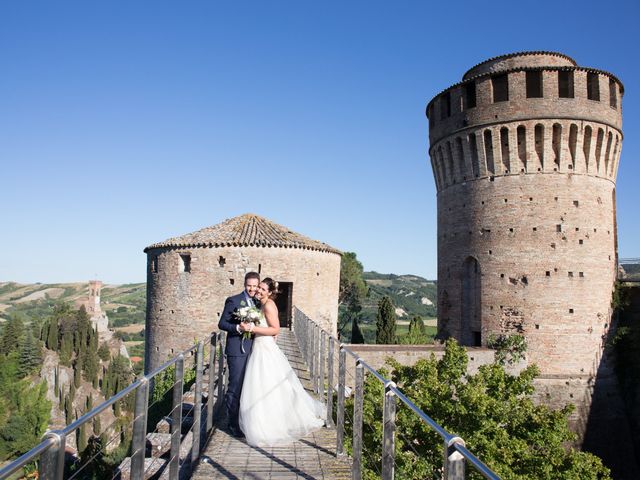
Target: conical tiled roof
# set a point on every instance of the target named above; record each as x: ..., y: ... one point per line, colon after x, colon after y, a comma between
x: 246, y: 230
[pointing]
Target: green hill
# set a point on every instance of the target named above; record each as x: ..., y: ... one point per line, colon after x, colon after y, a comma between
x: 412, y: 295
x: 124, y: 304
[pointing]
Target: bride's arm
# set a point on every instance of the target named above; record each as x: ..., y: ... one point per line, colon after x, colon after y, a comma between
x: 271, y: 315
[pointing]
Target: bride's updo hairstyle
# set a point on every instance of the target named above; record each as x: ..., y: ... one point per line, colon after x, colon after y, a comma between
x: 272, y: 285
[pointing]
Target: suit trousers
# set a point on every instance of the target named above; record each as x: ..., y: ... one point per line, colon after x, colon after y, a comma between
x: 237, y: 366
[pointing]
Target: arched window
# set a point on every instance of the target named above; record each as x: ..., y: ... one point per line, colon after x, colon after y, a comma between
x: 573, y: 140
x: 539, y: 143
x: 460, y: 159
x: 470, y: 321
x: 488, y: 151
x: 522, y: 146
x: 445, y: 105
x: 607, y: 153
x: 556, y: 142
x: 504, y: 145
x: 473, y: 146
x: 586, y: 145
x: 451, y: 163
x: 599, y: 141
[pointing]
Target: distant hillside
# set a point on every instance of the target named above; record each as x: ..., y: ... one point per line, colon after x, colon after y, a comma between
x: 35, y: 301
x: 412, y: 295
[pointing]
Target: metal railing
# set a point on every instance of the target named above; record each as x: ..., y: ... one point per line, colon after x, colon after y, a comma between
x: 318, y: 348
x: 50, y: 452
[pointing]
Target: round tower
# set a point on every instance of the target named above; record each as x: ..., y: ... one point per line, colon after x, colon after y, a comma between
x: 189, y: 277
x: 524, y: 152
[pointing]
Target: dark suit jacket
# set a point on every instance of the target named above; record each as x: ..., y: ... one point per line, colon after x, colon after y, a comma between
x: 228, y: 322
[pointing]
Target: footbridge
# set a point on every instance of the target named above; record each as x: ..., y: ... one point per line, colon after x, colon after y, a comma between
x: 178, y: 430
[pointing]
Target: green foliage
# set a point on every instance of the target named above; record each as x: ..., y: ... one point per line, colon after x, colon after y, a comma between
x: 409, y: 292
x: 117, y: 377
x: 510, y: 349
x: 386, y: 322
x: 418, y: 333
x: 29, y: 413
x: 492, y: 410
x: 619, y: 297
x: 30, y: 355
x: 353, y: 289
x: 103, y: 352
x: 12, y: 334
x: 356, y: 333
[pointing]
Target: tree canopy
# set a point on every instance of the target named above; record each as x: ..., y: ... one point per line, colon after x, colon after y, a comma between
x: 386, y: 322
x: 491, y: 410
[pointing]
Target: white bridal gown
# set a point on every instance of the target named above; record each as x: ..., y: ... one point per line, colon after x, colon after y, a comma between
x: 274, y: 407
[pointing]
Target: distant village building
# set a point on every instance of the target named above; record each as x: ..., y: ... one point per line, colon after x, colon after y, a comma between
x: 91, y: 304
x: 189, y: 277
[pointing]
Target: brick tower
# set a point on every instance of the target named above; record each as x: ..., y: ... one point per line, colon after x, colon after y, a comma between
x: 524, y: 152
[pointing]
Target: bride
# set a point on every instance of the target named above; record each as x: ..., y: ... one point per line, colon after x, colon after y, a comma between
x: 274, y: 407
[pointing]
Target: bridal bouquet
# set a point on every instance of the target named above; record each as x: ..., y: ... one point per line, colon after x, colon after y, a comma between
x: 248, y: 314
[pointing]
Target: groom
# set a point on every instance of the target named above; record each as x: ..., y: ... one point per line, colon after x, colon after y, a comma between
x: 236, y: 358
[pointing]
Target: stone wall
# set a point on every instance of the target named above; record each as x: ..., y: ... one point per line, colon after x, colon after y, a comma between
x: 186, y: 305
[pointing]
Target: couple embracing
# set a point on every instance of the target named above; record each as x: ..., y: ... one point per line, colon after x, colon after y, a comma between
x: 265, y: 401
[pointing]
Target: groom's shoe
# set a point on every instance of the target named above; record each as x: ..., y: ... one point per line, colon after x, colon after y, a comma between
x: 236, y: 432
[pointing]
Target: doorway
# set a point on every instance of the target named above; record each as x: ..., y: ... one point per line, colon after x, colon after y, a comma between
x: 285, y: 304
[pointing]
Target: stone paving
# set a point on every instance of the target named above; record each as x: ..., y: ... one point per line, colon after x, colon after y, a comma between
x: 312, y: 457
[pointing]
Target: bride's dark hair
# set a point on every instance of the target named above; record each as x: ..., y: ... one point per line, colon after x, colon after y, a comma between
x: 272, y: 285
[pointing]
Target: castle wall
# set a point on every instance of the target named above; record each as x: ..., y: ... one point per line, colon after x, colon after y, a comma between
x: 184, y: 306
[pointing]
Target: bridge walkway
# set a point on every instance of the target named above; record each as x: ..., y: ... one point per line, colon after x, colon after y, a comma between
x: 312, y: 457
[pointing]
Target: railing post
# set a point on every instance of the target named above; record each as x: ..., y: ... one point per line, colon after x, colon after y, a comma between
x: 197, y: 407
x: 212, y: 376
x: 389, y: 433
x: 454, y: 462
x: 342, y: 371
x: 176, y: 419
x: 219, y: 400
x: 52, y: 460
x: 139, y: 442
x: 314, y: 359
x: 330, y: 384
x: 308, y: 336
x: 357, y: 422
x: 321, y: 365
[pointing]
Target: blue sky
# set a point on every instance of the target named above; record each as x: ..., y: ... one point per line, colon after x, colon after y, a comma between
x: 125, y: 123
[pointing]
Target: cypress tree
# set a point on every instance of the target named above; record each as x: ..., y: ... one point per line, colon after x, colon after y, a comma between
x: 103, y: 352
x: 68, y: 409
x: 82, y: 437
x: 30, y: 355
x: 52, y: 334
x: 12, y: 334
x: 386, y: 322
x: 56, y: 380
x: 356, y: 333
x: 76, y: 377
x: 96, y: 425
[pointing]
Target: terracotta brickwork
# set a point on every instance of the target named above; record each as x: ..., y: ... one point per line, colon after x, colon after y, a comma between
x: 525, y: 152
x: 184, y: 302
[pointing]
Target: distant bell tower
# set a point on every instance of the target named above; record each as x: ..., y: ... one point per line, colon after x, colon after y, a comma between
x: 525, y: 151
x: 93, y: 305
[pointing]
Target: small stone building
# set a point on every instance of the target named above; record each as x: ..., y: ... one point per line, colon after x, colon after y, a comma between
x: 189, y: 277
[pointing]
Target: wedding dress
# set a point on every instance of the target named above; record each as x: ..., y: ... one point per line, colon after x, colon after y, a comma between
x: 274, y: 407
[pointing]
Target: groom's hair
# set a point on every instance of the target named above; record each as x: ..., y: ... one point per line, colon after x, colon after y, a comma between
x: 249, y: 275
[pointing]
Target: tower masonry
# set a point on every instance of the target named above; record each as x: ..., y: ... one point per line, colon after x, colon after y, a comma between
x: 524, y: 152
